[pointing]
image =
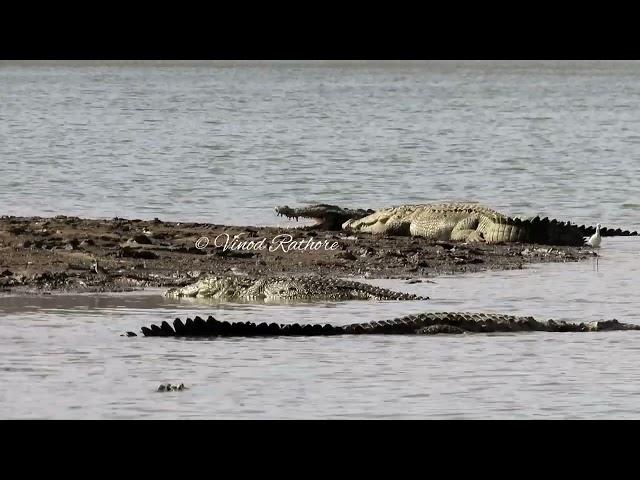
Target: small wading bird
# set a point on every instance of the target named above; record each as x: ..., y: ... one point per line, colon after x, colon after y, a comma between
x: 595, y: 239
x: 97, y: 268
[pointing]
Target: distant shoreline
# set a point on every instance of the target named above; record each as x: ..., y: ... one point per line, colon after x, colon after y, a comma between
x: 325, y: 63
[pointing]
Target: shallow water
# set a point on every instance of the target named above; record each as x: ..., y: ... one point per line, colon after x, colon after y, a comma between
x: 224, y: 143
x: 63, y: 356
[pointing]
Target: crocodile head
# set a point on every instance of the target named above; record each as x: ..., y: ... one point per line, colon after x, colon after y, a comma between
x: 327, y: 217
x: 211, y: 287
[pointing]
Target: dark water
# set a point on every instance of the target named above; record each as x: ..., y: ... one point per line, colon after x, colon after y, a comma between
x: 224, y: 143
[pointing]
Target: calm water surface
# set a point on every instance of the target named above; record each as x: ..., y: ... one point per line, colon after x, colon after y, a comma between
x: 224, y: 143
x: 62, y: 356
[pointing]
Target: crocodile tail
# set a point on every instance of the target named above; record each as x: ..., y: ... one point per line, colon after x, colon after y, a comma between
x: 211, y: 327
x: 424, y: 323
x: 606, y: 232
x: 551, y: 232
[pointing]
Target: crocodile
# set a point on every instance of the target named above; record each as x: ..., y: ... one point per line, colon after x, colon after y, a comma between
x: 309, y: 288
x: 327, y: 217
x: 459, y: 221
x: 170, y: 388
x: 421, y: 324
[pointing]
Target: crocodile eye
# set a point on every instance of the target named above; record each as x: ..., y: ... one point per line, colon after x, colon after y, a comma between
x: 293, y: 289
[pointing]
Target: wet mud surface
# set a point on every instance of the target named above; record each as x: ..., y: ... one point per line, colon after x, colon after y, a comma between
x: 59, y: 254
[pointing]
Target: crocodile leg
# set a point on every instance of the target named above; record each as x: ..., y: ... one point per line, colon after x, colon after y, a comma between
x: 466, y: 230
x: 440, y: 229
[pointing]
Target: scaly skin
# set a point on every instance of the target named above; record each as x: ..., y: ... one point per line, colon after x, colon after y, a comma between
x: 328, y: 217
x: 237, y: 288
x: 448, y: 221
x: 422, y: 324
x: 470, y: 222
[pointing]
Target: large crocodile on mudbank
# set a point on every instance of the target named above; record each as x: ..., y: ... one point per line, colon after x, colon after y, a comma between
x: 469, y: 222
x: 310, y: 288
x: 422, y: 324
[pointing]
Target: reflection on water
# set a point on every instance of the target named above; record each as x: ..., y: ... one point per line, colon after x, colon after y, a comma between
x: 64, y: 358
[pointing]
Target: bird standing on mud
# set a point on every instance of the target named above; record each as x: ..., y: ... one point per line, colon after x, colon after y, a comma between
x: 97, y: 268
x: 595, y: 239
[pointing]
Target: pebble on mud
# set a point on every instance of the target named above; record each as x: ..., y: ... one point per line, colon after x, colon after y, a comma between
x: 141, y: 239
x: 346, y: 255
x: 131, y: 253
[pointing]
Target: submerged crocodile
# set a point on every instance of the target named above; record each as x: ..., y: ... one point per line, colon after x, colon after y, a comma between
x: 239, y: 288
x: 422, y: 324
x: 468, y: 222
x: 170, y: 388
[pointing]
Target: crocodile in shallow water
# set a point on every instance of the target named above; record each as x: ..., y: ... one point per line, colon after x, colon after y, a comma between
x: 311, y: 288
x: 424, y: 324
x: 458, y: 221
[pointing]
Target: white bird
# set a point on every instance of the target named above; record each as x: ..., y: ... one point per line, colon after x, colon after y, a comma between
x: 97, y: 268
x: 595, y: 239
